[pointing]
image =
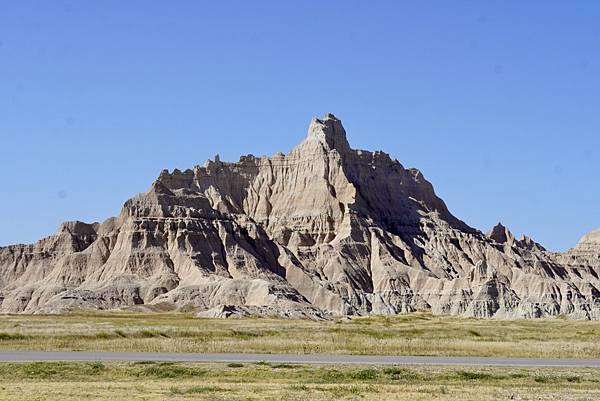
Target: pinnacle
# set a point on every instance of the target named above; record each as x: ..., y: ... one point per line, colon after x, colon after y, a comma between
x: 501, y: 234
x: 329, y: 131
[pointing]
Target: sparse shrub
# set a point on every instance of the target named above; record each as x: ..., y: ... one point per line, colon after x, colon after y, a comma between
x: 543, y: 379
x: 465, y: 375
x: 96, y: 366
x: 120, y: 333
x: 244, y: 335
x: 397, y: 373
x: 365, y: 374
x: 171, y: 371
x: 13, y: 336
x: 285, y: 366
x: 299, y: 387
x: 235, y: 365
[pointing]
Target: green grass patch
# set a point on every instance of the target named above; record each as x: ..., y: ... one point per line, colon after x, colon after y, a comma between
x: 235, y: 365
x: 13, y: 336
x: 171, y: 371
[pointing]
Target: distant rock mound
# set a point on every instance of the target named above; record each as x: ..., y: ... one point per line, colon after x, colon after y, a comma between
x: 323, y: 230
x: 590, y: 242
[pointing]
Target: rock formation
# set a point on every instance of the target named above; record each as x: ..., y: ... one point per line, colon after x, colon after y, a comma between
x: 324, y: 230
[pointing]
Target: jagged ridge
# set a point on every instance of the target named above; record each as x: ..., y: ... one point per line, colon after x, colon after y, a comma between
x: 323, y: 230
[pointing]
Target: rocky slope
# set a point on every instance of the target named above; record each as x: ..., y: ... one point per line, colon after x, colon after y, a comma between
x: 324, y: 230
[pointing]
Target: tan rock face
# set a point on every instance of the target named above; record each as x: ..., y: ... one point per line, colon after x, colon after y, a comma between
x: 324, y: 230
x: 590, y: 241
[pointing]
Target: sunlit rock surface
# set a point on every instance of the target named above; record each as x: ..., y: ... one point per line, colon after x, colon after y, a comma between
x: 324, y: 230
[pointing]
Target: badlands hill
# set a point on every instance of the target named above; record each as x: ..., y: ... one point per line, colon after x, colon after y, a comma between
x: 324, y: 230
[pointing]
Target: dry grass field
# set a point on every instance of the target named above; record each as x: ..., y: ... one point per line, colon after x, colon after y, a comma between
x: 171, y: 381
x: 412, y: 334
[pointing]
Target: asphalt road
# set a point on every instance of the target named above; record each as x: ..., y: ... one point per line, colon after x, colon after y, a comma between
x: 33, y: 356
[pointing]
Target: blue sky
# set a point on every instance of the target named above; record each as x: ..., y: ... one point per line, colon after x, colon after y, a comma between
x: 496, y: 102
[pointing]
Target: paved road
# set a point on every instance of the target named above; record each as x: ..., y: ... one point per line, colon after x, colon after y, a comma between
x: 17, y: 356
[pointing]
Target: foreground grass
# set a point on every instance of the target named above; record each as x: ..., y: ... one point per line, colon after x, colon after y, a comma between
x: 413, y: 334
x: 170, y: 381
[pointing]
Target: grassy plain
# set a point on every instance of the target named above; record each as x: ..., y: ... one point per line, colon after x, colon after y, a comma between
x: 412, y: 334
x: 173, y: 381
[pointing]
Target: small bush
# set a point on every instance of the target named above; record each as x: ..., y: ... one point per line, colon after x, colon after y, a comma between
x: 299, y: 387
x: 103, y: 336
x: 235, y: 365
x: 365, y: 374
x: 285, y: 366
x: 13, y: 336
x: 474, y: 375
x: 543, y: 379
x: 168, y: 371
x: 396, y: 373
x: 96, y: 366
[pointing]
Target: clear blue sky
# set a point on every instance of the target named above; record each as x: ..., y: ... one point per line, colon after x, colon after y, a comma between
x: 497, y: 103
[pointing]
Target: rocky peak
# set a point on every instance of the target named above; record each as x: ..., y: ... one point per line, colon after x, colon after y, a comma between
x: 527, y: 243
x: 330, y: 132
x: 78, y: 228
x: 501, y: 234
